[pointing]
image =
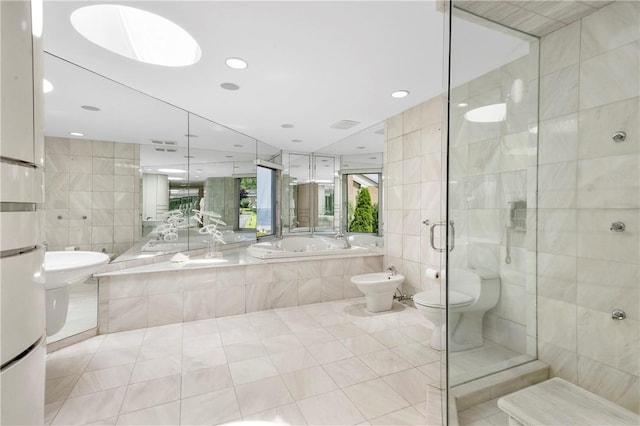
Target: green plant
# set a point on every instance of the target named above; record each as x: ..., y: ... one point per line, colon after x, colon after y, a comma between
x: 363, y: 215
x: 375, y: 213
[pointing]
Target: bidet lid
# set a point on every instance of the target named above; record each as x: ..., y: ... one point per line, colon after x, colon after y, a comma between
x: 432, y: 298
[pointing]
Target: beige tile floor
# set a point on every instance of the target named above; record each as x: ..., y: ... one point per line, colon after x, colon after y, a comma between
x: 324, y: 364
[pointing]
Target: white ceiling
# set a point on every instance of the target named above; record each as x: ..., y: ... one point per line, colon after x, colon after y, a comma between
x: 311, y: 64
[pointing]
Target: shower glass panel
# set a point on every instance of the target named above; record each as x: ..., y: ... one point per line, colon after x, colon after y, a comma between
x: 491, y: 215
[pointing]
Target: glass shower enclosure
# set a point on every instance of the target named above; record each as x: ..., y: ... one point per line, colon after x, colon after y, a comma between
x: 491, y: 200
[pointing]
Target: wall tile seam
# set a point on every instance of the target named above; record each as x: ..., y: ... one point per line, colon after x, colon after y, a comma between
x: 626, y: 373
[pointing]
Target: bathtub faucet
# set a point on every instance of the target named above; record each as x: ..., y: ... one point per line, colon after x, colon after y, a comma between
x: 392, y: 270
x: 346, y: 240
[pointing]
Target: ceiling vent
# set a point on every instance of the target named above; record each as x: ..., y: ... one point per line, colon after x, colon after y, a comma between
x: 170, y: 142
x: 171, y: 150
x: 160, y: 149
x: 156, y: 142
x: 344, y: 124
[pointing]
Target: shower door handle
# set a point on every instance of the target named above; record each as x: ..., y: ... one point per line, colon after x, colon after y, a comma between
x: 432, y: 236
x: 453, y: 235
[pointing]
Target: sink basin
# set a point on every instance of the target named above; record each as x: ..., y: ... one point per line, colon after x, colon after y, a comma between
x: 65, y: 267
x: 378, y: 289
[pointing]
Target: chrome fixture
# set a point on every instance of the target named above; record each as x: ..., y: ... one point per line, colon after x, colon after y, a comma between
x: 517, y: 222
x: 618, y: 314
x: 619, y: 136
x: 426, y: 222
x: 617, y: 226
x: 346, y: 240
x: 392, y: 270
x: 432, y: 235
x: 400, y: 296
x: 83, y: 217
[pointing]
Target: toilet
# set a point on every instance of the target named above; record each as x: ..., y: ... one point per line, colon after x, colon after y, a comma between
x: 472, y: 292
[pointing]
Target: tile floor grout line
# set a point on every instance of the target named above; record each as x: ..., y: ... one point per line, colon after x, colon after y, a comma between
x: 408, y: 329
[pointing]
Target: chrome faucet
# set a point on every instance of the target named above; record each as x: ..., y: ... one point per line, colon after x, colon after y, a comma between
x: 346, y: 240
x: 392, y: 270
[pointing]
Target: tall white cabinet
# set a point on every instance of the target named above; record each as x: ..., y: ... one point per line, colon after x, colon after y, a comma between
x: 22, y: 321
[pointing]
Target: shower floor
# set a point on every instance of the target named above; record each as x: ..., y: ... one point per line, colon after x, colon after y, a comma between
x: 488, y: 359
x: 327, y: 363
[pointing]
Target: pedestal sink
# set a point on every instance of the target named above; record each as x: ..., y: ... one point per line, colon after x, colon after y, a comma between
x: 378, y: 289
x: 62, y: 268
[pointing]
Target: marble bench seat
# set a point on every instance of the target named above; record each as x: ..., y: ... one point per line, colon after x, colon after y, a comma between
x: 558, y: 402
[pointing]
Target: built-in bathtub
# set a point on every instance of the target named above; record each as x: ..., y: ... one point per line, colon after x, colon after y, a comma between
x: 303, y: 247
x: 164, y: 292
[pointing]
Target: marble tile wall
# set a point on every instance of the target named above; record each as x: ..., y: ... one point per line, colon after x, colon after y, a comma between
x: 132, y: 301
x: 91, y: 194
x: 413, y: 191
x: 590, y: 88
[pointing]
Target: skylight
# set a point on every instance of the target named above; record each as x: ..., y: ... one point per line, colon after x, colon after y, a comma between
x: 136, y: 34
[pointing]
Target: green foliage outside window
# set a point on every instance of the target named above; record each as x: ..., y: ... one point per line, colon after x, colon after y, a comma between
x: 375, y: 218
x: 363, y: 214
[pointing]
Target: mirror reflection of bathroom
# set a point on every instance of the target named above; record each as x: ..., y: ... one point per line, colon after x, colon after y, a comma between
x: 131, y: 190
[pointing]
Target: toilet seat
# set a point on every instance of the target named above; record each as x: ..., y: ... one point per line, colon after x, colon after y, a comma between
x: 431, y: 299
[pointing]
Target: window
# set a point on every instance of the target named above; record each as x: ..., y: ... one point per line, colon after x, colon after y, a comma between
x: 362, y: 196
x: 266, y: 201
x: 247, y: 208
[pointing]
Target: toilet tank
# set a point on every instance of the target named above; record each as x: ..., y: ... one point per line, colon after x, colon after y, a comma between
x: 471, y: 281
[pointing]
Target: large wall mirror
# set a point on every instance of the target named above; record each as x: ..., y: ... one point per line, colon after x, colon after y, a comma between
x: 120, y: 165
x: 135, y: 177
x: 358, y: 169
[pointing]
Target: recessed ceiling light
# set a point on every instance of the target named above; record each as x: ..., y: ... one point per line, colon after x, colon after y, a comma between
x: 487, y: 114
x: 400, y: 93
x: 361, y: 147
x: 236, y: 63
x: 76, y: 134
x: 296, y: 140
x: 175, y: 178
x: 287, y: 126
x: 229, y: 86
x: 136, y: 34
x: 172, y: 171
x: 46, y: 86
x: 463, y: 105
x: 90, y: 108
x: 191, y: 135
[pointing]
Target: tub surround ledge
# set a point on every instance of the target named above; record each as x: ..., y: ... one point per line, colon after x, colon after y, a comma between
x: 167, y: 293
